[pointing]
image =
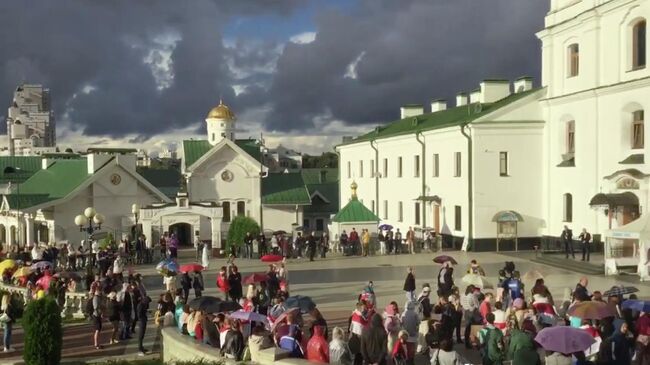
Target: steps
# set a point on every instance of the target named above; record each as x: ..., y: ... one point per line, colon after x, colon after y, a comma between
x: 569, y: 264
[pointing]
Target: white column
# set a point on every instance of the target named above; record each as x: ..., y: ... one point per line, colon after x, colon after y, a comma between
x: 29, y: 230
x: 215, y: 225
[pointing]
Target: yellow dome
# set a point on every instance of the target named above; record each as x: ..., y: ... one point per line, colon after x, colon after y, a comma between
x: 221, y: 111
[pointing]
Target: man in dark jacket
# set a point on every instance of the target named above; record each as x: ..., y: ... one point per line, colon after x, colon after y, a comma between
x: 142, y: 308
x: 186, y: 285
x: 581, y: 293
x: 129, y: 308
x: 409, y: 285
x: 248, y: 245
x: 567, y: 239
x: 311, y: 245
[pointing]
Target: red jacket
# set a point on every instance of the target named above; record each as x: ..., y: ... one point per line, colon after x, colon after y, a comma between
x: 398, y: 350
x: 198, y: 332
x: 317, y: 347
x: 222, y: 283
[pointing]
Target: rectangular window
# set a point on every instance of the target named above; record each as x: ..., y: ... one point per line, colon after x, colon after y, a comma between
x: 241, y: 208
x: 503, y: 163
x: 305, y: 224
x: 372, y: 168
x: 568, y: 207
x: 320, y: 225
x: 400, y: 212
x: 385, y: 167
x: 457, y: 164
x: 436, y: 165
x: 361, y: 168
x: 458, y: 224
x: 349, y: 169
x: 416, y: 165
x: 226, y: 211
x: 372, y: 203
x: 385, y: 209
x: 574, y: 60
x: 417, y: 213
x: 637, y: 129
x: 399, y: 166
x: 571, y: 137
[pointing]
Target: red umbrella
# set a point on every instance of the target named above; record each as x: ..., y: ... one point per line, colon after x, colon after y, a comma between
x: 191, y: 268
x: 272, y: 258
x: 255, y: 278
x: 283, y: 317
x: 44, y: 282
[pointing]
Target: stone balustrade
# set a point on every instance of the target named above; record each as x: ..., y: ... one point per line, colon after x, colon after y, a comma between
x: 72, y: 307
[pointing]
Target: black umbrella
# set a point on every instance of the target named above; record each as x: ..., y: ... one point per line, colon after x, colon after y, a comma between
x: 304, y: 303
x: 213, y: 305
x: 280, y: 232
x: 620, y: 290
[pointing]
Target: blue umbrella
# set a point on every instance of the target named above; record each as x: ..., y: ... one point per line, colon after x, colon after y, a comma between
x: 385, y: 227
x: 42, y: 265
x: 298, y: 301
x: 637, y: 305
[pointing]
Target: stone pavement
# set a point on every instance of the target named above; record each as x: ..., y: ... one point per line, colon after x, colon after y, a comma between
x: 334, y: 284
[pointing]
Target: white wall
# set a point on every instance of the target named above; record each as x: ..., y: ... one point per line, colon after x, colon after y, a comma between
x: 281, y: 217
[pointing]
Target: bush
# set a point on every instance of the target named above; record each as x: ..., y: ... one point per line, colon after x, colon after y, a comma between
x: 43, y: 332
x: 238, y: 228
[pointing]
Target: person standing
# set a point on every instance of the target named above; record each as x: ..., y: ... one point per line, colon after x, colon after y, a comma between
x: 409, y: 285
x: 382, y: 242
x: 7, y: 309
x: 139, y: 250
x: 324, y: 244
x: 397, y: 241
x: 365, y: 242
x: 173, y: 246
x: 234, y: 279
x: 585, y: 237
x: 197, y: 245
x: 248, y: 245
x: 343, y: 242
x: 186, y: 285
x: 567, y: 239
x: 353, y: 240
x: 389, y: 241
x: 143, y: 307
x: 128, y: 312
x: 113, y: 311
x: 311, y: 246
x: 197, y: 284
x: 373, y: 342
x: 97, y: 314
x: 261, y: 245
x: 163, y: 246
x: 410, y: 240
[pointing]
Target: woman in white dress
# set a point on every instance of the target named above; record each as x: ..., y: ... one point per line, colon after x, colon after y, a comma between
x: 204, y: 256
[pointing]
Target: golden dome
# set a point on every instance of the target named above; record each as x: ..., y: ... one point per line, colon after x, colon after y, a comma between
x: 221, y: 111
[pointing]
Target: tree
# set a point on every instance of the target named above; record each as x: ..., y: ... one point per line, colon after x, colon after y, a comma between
x: 43, y: 332
x: 325, y: 160
x: 238, y: 228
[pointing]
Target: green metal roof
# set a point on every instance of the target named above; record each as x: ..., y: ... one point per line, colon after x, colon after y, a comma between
x: 319, y: 176
x: 59, y: 180
x: 250, y: 146
x: 23, y: 201
x: 195, y: 149
x: 26, y: 165
x: 445, y: 118
x: 284, y: 189
x: 355, y: 212
x: 329, y: 191
x: 167, y: 180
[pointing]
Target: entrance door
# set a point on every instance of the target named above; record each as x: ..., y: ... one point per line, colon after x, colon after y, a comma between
x: 183, y: 232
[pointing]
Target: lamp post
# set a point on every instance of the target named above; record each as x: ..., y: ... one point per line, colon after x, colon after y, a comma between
x: 89, y: 222
x: 13, y: 171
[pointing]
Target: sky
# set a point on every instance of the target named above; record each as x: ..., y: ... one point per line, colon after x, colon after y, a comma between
x: 303, y: 72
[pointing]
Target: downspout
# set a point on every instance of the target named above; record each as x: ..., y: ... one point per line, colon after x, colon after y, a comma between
x: 373, y: 145
x: 423, y: 175
x: 470, y: 193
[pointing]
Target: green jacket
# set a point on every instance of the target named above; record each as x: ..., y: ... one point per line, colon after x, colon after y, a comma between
x: 493, y: 353
x: 522, y: 349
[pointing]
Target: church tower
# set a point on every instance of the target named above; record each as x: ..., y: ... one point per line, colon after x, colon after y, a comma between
x: 221, y: 124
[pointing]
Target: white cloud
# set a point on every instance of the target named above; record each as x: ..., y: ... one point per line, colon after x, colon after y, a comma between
x: 303, y: 38
x: 159, y: 59
x: 351, y: 70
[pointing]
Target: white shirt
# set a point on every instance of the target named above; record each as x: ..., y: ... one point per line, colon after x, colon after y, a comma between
x: 95, y: 247
x: 444, y: 357
x: 37, y: 253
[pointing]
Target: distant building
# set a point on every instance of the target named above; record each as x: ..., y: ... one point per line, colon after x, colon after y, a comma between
x: 282, y: 158
x: 31, y: 128
x: 169, y: 152
x: 142, y: 159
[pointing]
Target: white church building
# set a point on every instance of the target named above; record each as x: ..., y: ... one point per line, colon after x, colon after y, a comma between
x: 509, y: 165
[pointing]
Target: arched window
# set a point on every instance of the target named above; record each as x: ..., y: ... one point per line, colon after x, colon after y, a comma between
x: 573, y: 53
x: 638, y: 45
x: 638, y: 140
x: 568, y: 207
x: 241, y: 209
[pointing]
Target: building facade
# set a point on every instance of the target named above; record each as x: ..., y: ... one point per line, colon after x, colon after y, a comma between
x: 31, y: 127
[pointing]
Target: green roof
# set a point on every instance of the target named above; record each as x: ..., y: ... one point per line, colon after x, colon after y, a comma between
x: 319, y: 176
x: 26, y: 165
x: 329, y: 191
x: 166, y: 180
x: 441, y: 119
x: 284, y: 189
x: 355, y: 212
x: 195, y: 149
x: 59, y: 180
x: 251, y: 147
x: 122, y: 151
x: 23, y: 201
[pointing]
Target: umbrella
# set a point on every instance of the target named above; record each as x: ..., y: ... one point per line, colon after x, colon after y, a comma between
x: 477, y: 280
x: 44, y: 282
x: 615, y: 291
x: 532, y: 275
x: 271, y: 258
x: 591, y: 310
x: 166, y: 267
x: 280, y: 232
x: 303, y: 302
x: 6, y: 264
x: 249, y: 316
x: 23, y: 271
x: 564, y: 339
x: 255, y: 278
x: 191, y: 268
x: 42, y: 265
x: 205, y: 303
x: 385, y: 227
x: 282, y: 317
x: 444, y: 258
x: 68, y: 275
x: 637, y: 305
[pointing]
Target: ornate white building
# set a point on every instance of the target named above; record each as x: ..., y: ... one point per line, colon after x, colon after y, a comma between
x: 31, y: 128
x: 512, y: 165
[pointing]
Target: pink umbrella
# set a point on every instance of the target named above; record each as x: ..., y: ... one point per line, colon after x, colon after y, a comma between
x: 564, y: 339
x: 272, y: 258
x: 44, y: 282
x: 249, y: 316
x: 255, y: 278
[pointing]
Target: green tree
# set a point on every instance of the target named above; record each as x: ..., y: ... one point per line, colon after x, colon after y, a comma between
x: 325, y: 160
x: 43, y: 332
x: 238, y: 228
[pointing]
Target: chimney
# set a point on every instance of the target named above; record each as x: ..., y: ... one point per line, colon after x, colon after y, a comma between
x: 522, y: 84
x: 438, y: 105
x: 461, y: 99
x: 411, y: 110
x: 475, y: 96
x: 494, y: 90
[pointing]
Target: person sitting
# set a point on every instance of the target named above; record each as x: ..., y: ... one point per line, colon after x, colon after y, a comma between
x: 233, y: 346
x: 499, y: 316
x: 317, y: 347
x: 259, y: 340
x: 290, y: 343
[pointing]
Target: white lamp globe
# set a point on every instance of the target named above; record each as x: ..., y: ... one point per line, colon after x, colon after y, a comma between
x: 135, y: 208
x: 98, y: 219
x: 80, y: 220
x: 89, y: 212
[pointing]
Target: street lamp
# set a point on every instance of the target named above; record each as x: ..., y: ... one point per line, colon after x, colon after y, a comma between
x: 90, y: 221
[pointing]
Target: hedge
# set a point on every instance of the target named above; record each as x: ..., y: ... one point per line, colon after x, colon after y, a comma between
x: 43, y: 332
x: 238, y: 228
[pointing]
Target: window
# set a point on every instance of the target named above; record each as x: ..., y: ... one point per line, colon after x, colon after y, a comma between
x: 568, y: 207
x: 571, y: 137
x: 305, y: 224
x: 638, y: 45
x: 637, y: 129
x: 226, y: 211
x: 436, y: 164
x: 399, y: 166
x: 372, y: 168
x: 241, y: 209
x: 503, y: 163
x: 385, y: 167
x: 574, y: 60
x: 213, y: 137
x: 349, y: 169
x: 361, y: 168
x: 417, y: 213
x: 320, y: 224
x: 400, y: 212
x: 372, y: 203
x: 385, y: 209
x: 458, y: 224
x: 416, y: 165
x: 457, y: 164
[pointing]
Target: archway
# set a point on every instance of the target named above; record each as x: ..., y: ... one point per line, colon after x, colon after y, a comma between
x: 183, y: 232
x: 12, y: 235
x: 3, y: 234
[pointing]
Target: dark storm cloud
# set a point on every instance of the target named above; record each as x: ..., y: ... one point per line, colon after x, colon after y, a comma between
x: 414, y: 51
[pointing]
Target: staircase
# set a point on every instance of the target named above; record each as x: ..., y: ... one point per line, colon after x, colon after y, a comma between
x: 558, y: 260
